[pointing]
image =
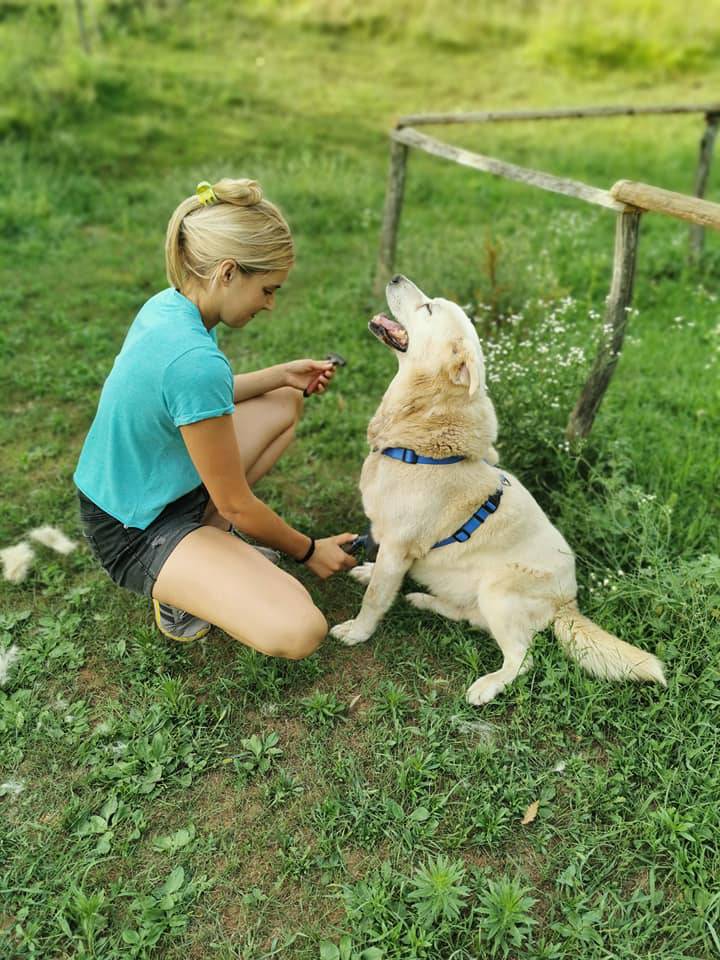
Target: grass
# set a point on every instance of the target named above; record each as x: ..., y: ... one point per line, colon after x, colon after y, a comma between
x: 160, y: 801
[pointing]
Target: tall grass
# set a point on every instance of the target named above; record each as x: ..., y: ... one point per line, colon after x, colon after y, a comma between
x: 46, y: 80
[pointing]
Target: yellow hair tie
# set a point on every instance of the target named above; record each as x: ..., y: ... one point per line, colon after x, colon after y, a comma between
x: 205, y: 193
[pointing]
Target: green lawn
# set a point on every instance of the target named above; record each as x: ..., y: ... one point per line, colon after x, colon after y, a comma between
x: 164, y: 801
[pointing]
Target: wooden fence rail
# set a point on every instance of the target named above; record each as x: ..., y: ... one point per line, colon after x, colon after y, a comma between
x: 510, y: 171
x: 560, y: 113
x: 678, y: 205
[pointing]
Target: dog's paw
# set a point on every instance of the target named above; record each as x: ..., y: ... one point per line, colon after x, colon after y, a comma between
x: 362, y: 573
x: 348, y: 634
x: 421, y: 601
x: 484, y: 690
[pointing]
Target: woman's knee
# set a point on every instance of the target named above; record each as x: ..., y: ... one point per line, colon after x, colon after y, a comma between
x: 293, y: 402
x: 299, y: 639
x: 293, y: 638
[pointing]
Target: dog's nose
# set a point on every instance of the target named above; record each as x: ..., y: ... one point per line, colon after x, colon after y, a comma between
x: 397, y: 278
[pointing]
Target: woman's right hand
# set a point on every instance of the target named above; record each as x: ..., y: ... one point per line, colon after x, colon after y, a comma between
x: 328, y: 558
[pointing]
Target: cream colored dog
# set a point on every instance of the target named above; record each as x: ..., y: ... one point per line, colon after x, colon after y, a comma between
x: 515, y: 574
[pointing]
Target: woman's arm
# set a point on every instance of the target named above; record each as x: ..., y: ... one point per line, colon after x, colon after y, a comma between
x: 212, y: 445
x: 249, y: 385
x: 314, y: 375
x: 213, y: 448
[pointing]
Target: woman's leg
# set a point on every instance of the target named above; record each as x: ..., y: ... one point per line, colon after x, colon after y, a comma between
x: 265, y: 427
x: 223, y: 580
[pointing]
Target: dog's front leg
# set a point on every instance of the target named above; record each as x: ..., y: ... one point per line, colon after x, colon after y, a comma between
x: 387, y: 576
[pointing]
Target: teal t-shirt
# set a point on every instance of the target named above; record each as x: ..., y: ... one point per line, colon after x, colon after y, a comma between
x: 169, y: 372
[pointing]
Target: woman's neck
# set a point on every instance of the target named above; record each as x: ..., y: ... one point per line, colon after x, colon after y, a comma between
x: 204, y: 301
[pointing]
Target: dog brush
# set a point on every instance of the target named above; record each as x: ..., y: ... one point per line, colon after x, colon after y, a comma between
x: 336, y: 360
x: 363, y: 543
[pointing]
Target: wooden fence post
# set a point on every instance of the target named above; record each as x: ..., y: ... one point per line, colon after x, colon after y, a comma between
x: 697, y: 233
x: 613, y: 330
x: 391, y: 215
x: 82, y: 27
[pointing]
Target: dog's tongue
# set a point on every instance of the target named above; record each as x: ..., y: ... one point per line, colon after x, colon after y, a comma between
x: 382, y: 320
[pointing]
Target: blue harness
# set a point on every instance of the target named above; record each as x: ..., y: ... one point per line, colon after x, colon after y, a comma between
x: 409, y: 456
x: 485, y: 510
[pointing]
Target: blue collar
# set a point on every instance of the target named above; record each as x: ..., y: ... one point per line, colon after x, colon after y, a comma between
x: 409, y: 456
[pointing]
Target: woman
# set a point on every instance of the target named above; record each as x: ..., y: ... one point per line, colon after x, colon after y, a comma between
x: 166, y: 471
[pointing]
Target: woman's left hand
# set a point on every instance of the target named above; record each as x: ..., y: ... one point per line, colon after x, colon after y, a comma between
x: 311, y: 376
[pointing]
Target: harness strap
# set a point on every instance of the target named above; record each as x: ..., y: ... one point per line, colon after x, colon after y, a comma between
x: 484, y: 511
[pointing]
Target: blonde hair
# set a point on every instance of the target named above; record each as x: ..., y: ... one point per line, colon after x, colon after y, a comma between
x: 237, y: 225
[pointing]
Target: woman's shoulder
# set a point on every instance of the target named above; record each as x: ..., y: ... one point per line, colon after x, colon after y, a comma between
x: 169, y: 314
x: 166, y: 326
x: 169, y: 301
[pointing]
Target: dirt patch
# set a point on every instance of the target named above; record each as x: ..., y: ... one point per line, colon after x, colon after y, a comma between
x: 94, y: 686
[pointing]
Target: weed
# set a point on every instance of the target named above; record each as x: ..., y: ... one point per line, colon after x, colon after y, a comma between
x: 505, y: 920
x: 322, y: 709
x: 258, y: 754
x: 438, y: 891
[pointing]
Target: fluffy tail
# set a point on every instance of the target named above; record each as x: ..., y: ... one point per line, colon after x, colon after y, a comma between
x: 601, y: 653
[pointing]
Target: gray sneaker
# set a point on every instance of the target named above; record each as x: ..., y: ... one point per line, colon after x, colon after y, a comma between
x: 179, y: 625
x: 272, y: 555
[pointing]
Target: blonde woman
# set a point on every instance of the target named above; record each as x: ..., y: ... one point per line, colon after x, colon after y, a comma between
x: 166, y: 472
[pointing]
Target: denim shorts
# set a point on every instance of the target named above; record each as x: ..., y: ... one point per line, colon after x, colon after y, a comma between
x: 133, y: 557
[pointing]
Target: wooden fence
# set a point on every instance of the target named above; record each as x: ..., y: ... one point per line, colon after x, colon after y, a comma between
x: 628, y: 200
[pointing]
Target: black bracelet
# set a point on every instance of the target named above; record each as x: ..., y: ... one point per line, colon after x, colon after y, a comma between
x: 310, y: 551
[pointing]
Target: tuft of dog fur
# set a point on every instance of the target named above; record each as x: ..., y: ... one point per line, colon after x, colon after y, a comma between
x: 53, y: 538
x: 7, y: 659
x: 17, y: 561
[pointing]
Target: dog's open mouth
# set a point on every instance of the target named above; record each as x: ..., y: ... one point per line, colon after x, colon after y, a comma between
x: 392, y: 333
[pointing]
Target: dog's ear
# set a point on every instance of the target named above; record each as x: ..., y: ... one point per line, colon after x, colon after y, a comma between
x: 464, y: 366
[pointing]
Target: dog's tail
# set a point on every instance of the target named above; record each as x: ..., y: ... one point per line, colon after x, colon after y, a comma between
x: 602, y: 654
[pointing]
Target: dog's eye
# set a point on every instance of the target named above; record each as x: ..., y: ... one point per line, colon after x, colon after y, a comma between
x: 429, y: 308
